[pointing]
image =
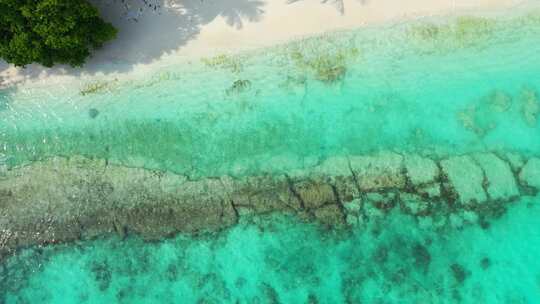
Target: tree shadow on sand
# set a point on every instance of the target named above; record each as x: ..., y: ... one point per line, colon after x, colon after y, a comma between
x: 338, y: 4
x: 148, y: 30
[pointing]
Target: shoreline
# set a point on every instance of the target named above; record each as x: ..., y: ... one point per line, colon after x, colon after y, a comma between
x: 143, y: 46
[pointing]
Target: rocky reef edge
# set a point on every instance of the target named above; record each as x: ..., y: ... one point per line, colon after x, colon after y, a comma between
x: 68, y: 199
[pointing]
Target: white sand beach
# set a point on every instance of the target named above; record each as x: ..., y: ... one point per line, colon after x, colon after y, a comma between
x: 175, y: 30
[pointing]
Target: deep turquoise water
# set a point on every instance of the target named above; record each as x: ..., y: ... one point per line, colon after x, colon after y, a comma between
x: 436, y: 87
x: 287, y: 262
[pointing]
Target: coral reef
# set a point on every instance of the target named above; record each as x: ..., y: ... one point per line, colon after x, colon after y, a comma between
x: 62, y: 200
x: 325, y: 63
x: 530, y: 106
x: 498, y: 176
x: 530, y: 173
x: 97, y: 87
x: 239, y: 86
x: 459, y: 272
x: 469, y: 190
x: 463, y: 32
x: 226, y: 62
x: 484, y: 115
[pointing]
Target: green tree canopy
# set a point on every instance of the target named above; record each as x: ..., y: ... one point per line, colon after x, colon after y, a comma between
x: 50, y: 31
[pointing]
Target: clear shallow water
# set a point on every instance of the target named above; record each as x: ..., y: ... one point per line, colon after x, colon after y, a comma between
x: 432, y: 89
x: 398, y: 90
x: 284, y: 261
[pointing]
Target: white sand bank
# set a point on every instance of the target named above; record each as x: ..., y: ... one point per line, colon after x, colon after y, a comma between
x: 180, y: 29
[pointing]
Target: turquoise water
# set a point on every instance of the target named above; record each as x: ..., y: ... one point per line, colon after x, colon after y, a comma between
x: 282, y: 261
x: 396, y: 92
x: 437, y: 87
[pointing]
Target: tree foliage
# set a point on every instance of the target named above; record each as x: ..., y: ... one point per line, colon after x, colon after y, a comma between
x: 50, y: 31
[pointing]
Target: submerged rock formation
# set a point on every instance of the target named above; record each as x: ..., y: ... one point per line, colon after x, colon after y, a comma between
x: 466, y: 179
x: 486, y: 114
x: 62, y: 200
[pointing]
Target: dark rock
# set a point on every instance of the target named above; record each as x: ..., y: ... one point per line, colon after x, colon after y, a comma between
x: 485, y: 263
x: 213, y: 288
x: 459, y: 273
x: 422, y: 257
x: 312, y: 299
x: 93, y: 113
x: 346, y: 188
x: 265, y: 194
x: 494, y: 210
x: 484, y: 223
x: 240, y: 282
x: 124, y: 293
x: 329, y: 215
x: 239, y: 86
x: 271, y: 294
x: 400, y: 276
x: 172, y: 272
x: 456, y: 295
x: 102, y: 274
x: 314, y: 194
x: 381, y: 254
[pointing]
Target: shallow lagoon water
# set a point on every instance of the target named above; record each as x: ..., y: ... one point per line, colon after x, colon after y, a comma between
x: 436, y: 88
x: 398, y: 90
